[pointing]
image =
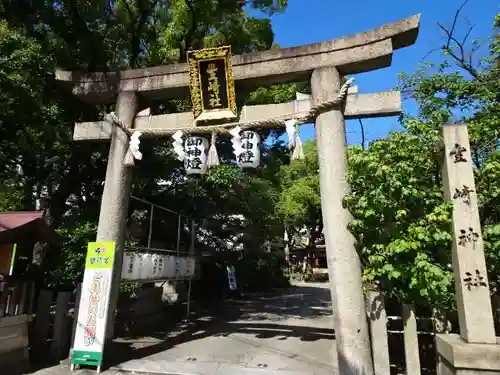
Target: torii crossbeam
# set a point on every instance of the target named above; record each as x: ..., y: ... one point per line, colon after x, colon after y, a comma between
x: 357, y: 106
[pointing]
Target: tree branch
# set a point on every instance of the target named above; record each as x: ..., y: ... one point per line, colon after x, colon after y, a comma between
x: 363, y: 140
x: 186, y: 42
x: 452, y: 43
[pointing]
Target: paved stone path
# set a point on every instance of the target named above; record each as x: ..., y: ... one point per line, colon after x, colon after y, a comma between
x: 289, y: 331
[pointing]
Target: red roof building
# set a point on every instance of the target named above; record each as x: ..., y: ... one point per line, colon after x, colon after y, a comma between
x: 18, y: 226
x: 24, y: 228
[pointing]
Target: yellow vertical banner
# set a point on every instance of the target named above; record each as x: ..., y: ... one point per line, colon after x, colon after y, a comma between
x: 93, y: 312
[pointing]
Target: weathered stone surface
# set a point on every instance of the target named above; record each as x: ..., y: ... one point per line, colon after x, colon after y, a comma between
x: 115, y: 200
x: 13, y: 336
x: 344, y: 267
x: 377, y: 318
x: 476, y: 350
x: 14, y: 343
x: 357, y: 106
x: 296, y: 322
x: 459, y: 357
x: 469, y: 265
x: 15, y: 362
x: 357, y: 53
x: 410, y: 336
x: 197, y: 368
x: 15, y: 320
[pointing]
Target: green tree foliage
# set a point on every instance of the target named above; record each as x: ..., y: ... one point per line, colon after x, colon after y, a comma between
x: 400, y: 221
x: 300, y: 203
x: 38, y: 157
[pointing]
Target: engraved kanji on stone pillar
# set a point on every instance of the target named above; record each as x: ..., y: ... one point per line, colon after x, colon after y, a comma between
x: 469, y: 265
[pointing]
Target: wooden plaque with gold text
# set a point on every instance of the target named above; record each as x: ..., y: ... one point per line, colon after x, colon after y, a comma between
x: 211, y: 84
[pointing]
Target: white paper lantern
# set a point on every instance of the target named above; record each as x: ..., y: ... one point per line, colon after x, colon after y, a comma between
x: 155, y: 266
x: 180, y: 266
x: 134, y: 269
x: 184, y: 266
x: 231, y: 276
x: 177, y: 266
x: 161, y: 266
x: 196, y: 151
x: 147, y: 266
x: 165, y: 266
x: 140, y: 273
x: 191, y: 267
x: 249, y: 155
x: 127, y: 265
x: 170, y: 267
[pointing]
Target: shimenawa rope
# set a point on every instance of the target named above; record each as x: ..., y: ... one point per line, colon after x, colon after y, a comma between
x: 301, y: 117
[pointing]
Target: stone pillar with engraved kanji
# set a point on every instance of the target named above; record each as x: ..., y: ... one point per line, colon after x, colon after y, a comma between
x: 474, y: 348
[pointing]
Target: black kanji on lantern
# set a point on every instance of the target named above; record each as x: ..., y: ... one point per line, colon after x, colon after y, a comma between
x: 196, y: 152
x: 246, y: 145
x: 194, y: 141
x: 194, y: 163
x: 247, y: 135
x: 246, y: 157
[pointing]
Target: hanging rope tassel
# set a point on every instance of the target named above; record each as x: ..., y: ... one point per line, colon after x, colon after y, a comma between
x: 291, y: 131
x: 298, y: 152
x: 129, y: 159
x: 213, y: 156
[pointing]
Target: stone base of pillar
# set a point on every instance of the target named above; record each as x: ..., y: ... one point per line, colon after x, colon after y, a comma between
x: 458, y: 357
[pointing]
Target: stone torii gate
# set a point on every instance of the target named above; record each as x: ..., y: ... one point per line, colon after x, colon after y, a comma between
x: 324, y: 64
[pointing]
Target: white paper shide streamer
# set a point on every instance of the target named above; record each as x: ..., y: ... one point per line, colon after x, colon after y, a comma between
x: 249, y: 156
x: 291, y: 131
x: 236, y: 141
x: 196, y: 151
x: 213, y: 156
x: 294, y: 141
x: 179, y: 145
x: 134, y: 145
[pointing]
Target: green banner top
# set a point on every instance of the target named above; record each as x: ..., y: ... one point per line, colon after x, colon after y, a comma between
x: 100, y: 255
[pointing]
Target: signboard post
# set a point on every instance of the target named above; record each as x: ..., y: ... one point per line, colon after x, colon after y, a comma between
x: 231, y: 277
x: 92, y: 315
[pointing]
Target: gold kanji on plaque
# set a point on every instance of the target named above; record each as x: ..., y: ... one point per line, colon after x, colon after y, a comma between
x: 211, y: 84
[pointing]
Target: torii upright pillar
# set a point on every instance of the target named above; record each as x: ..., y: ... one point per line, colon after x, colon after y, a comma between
x: 115, y: 196
x: 351, y: 327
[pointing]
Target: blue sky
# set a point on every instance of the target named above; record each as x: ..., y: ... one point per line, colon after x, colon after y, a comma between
x: 311, y: 21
